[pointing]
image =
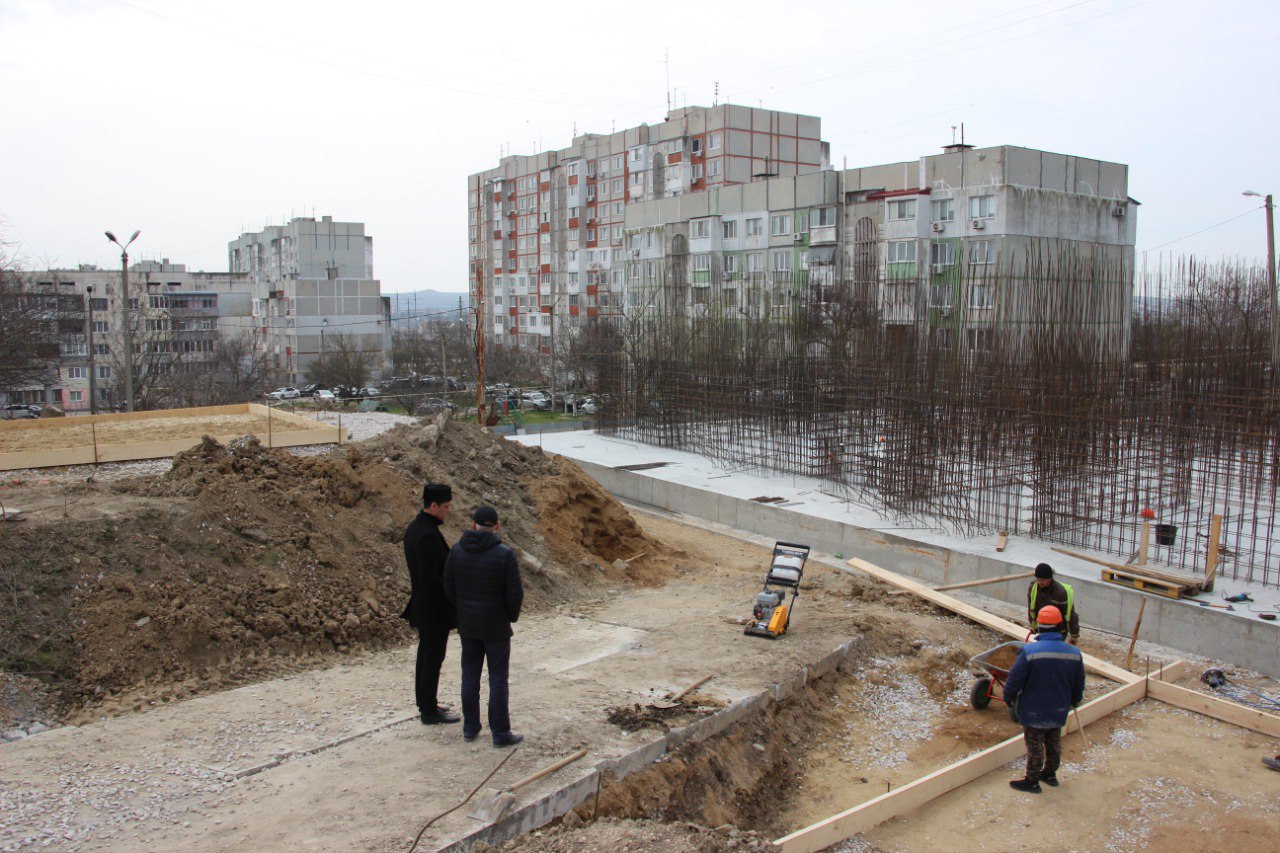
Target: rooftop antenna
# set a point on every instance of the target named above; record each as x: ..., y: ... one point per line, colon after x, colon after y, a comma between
x: 666, y: 58
x: 715, y: 99
x: 953, y: 134
x: 962, y: 133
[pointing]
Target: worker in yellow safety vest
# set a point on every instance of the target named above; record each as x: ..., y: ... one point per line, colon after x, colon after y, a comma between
x: 1043, y: 591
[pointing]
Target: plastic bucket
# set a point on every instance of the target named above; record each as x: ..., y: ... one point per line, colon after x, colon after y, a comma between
x: 1166, y: 534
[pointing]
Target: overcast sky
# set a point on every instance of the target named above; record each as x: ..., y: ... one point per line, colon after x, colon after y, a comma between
x: 196, y: 120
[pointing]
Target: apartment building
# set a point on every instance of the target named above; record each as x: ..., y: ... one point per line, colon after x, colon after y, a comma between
x: 310, y: 278
x: 177, y: 319
x: 953, y: 246
x: 547, y: 232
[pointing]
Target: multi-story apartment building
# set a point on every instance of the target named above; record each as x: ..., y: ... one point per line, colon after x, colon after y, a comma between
x: 952, y: 246
x: 547, y: 231
x: 177, y: 317
x: 310, y: 278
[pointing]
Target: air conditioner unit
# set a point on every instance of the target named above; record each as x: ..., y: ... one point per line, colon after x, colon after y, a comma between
x: 939, y: 227
x: 635, y: 253
x: 1119, y: 210
x: 797, y: 237
x: 977, y: 224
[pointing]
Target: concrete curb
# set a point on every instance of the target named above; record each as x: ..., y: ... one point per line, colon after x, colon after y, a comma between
x: 557, y: 803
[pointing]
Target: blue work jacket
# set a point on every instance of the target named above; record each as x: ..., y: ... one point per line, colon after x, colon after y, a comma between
x: 1046, y: 682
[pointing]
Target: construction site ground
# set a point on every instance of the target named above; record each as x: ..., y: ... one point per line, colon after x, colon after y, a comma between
x: 321, y: 714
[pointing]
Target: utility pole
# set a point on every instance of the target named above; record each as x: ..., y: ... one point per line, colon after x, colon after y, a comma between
x: 124, y: 314
x: 93, y: 377
x: 1269, y: 204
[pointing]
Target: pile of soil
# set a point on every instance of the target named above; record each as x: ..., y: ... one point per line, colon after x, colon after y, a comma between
x: 572, y: 835
x: 244, y: 562
x: 633, y: 718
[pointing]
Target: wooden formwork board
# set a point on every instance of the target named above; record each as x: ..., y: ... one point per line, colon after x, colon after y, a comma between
x: 866, y: 815
x: 94, y: 439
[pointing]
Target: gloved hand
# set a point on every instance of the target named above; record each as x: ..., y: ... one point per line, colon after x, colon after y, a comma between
x: 1074, y: 639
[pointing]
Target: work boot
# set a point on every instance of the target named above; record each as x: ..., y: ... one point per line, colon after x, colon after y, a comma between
x: 509, y: 739
x: 438, y: 716
x: 1051, y: 780
x: 1029, y: 786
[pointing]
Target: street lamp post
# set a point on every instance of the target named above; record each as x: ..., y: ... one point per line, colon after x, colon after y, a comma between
x: 1269, y: 204
x: 93, y: 377
x: 320, y: 372
x: 124, y: 314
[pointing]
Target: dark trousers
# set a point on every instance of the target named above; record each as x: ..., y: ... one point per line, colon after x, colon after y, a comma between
x: 474, y: 655
x: 432, y: 643
x: 1044, y: 752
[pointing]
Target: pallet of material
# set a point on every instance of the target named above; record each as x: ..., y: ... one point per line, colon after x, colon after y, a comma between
x: 1145, y: 583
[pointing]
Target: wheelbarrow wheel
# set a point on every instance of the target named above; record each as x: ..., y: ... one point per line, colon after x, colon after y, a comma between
x: 980, y: 695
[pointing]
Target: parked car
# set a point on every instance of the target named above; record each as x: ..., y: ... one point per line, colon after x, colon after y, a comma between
x: 310, y: 390
x: 324, y: 395
x: 535, y: 400
x: 434, y: 405
x: 283, y: 394
x: 369, y: 391
x: 345, y: 392
x: 14, y: 411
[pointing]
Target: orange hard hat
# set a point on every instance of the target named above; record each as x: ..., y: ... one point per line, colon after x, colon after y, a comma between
x: 1049, y: 615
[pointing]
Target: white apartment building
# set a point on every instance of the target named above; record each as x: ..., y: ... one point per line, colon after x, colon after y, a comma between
x: 177, y: 317
x: 310, y: 278
x: 547, y: 231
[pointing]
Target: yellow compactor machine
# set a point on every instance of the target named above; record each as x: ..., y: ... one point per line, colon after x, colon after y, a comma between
x: 772, y: 613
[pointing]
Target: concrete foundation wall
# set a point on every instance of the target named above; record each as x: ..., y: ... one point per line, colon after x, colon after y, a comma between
x: 1178, y: 624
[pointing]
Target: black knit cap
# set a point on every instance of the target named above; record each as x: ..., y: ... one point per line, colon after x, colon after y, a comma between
x: 436, y: 493
x: 1044, y: 570
x: 485, y: 516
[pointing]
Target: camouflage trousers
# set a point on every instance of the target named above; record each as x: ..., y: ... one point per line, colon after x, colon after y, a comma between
x: 1044, y: 752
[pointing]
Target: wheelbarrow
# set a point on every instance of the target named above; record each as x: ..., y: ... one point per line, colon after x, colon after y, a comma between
x: 990, y: 661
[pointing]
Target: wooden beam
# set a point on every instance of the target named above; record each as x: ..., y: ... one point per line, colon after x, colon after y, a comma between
x: 982, y: 617
x: 1140, y: 571
x: 1219, y: 709
x: 862, y: 817
x: 1145, y: 541
x: 985, y: 581
x: 1003, y: 541
x: 1215, y: 543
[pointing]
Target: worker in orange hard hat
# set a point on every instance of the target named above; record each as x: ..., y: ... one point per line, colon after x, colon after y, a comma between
x: 1045, y: 683
x: 1046, y: 590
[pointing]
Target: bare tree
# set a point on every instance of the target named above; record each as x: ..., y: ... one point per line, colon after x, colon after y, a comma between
x: 33, y: 326
x: 345, y: 362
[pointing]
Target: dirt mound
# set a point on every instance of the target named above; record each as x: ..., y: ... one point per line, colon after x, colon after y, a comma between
x: 244, y: 562
x: 581, y: 521
x: 572, y: 836
x: 633, y: 718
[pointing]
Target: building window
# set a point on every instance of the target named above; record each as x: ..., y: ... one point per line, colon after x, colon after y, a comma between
x: 637, y: 154
x: 616, y: 187
x: 102, y: 349
x: 701, y: 262
x: 782, y: 261
x: 591, y: 234
x: 573, y: 300
x: 697, y: 145
x: 902, y: 209
x: 902, y: 252
x: 730, y: 266
x: 713, y: 168
x: 821, y: 216
x: 755, y: 227
x: 98, y: 303
x: 982, y: 207
x: 700, y: 228
x: 940, y: 295
x: 617, y: 233
x: 729, y: 229
x: 982, y: 293
x: 755, y: 262
x: 75, y: 373
x: 942, y: 254
x: 104, y: 371
x: 780, y: 224
x: 944, y: 210
x: 100, y: 326
x: 982, y: 252
x: 75, y: 396
x: 697, y: 172
x: 573, y: 170
x: 617, y: 208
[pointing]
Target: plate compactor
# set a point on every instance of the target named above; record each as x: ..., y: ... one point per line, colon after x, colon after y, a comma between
x: 772, y: 612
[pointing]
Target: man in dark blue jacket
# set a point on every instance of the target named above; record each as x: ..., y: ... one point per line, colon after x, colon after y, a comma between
x: 482, y: 579
x: 1046, y: 682
x: 425, y: 551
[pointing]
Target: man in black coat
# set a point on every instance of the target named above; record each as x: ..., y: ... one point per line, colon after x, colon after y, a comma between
x: 482, y: 578
x: 425, y: 551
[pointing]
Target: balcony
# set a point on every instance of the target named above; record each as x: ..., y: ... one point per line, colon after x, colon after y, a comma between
x: 822, y: 234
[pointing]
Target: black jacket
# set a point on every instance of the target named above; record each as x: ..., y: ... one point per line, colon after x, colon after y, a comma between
x: 425, y: 551
x: 482, y: 578
x: 1056, y: 594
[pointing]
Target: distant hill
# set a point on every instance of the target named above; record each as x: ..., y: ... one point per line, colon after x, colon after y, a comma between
x: 423, y: 304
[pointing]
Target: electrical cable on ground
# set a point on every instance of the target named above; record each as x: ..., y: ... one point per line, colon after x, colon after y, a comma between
x: 1217, y: 679
x: 492, y: 772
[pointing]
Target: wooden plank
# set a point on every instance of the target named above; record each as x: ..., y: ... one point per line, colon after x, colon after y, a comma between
x: 1003, y: 541
x: 982, y: 617
x: 1146, y: 572
x: 862, y: 817
x: 1219, y: 709
x: 1214, y: 556
x: 1144, y: 542
x: 985, y: 581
